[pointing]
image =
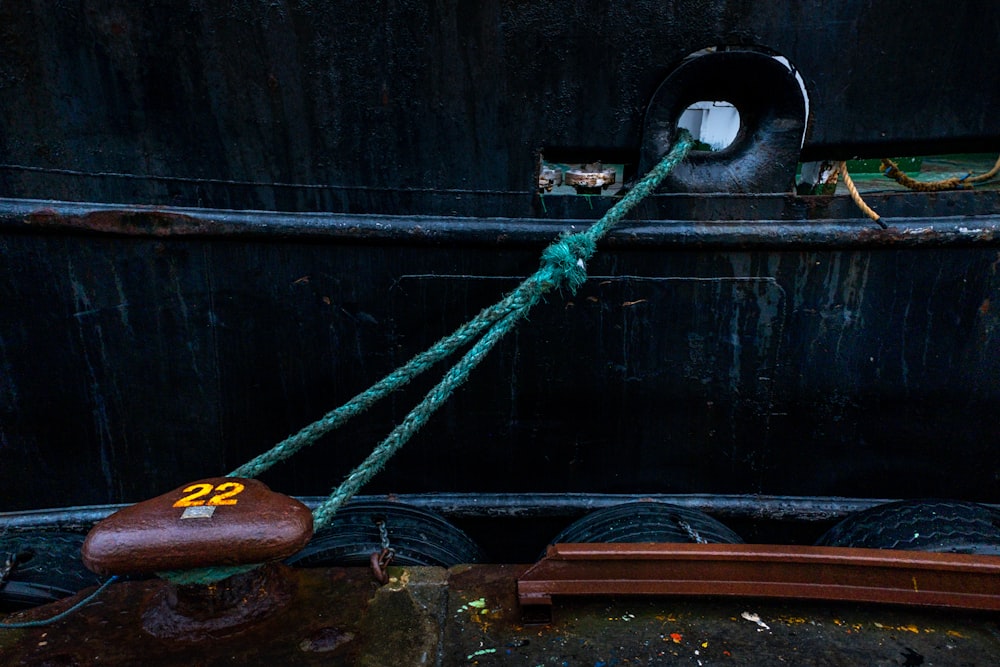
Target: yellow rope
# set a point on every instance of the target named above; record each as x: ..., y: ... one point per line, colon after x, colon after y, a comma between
x: 856, y: 196
x: 988, y: 175
x: 892, y: 170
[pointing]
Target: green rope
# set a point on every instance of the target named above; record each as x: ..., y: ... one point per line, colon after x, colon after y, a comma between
x: 205, y: 575
x: 564, y: 263
x: 417, y: 417
x: 395, y: 380
x: 58, y: 617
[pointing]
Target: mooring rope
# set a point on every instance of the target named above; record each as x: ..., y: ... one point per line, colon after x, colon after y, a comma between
x: 856, y: 196
x: 563, y: 264
x: 987, y: 175
x: 61, y: 615
x: 892, y: 170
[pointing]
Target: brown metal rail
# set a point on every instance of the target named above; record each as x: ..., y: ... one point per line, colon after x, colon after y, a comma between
x: 751, y: 570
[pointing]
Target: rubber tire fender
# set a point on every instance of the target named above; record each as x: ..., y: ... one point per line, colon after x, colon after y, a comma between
x: 49, y: 568
x: 417, y: 536
x: 920, y: 525
x: 647, y: 521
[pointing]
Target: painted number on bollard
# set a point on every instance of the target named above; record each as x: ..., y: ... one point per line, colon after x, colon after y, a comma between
x: 225, y: 494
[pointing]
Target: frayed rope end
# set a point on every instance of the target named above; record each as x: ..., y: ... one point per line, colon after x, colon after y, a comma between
x: 567, y: 259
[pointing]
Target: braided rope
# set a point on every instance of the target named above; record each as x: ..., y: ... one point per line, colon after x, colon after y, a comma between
x: 987, y: 175
x: 63, y: 614
x: 390, y: 383
x: 563, y: 263
x: 892, y: 170
x: 413, y: 421
x: 856, y: 196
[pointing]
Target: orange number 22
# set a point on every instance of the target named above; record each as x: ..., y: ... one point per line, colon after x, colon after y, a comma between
x: 224, y: 496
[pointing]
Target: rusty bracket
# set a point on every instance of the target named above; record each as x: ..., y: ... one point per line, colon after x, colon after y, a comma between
x: 752, y: 570
x: 9, y: 561
x: 380, y: 561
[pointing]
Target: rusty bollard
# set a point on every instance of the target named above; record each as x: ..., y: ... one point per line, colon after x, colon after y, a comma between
x: 214, y: 523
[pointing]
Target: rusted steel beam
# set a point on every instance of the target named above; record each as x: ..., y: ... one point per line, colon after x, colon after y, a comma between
x: 751, y: 570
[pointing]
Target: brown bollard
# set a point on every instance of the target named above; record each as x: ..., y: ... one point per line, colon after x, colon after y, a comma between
x: 214, y: 522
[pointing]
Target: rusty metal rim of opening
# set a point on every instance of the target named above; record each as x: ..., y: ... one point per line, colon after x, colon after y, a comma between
x: 753, y: 570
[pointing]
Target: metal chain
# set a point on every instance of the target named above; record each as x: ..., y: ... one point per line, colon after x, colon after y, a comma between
x: 383, y: 534
x: 380, y: 560
x: 692, y: 534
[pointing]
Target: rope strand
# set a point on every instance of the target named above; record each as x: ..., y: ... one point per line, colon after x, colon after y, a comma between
x: 61, y: 615
x: 892, y: 170
x: 417, y: 417
x: 987, y: 175
x: 563, y: 262
x: 856, y: 196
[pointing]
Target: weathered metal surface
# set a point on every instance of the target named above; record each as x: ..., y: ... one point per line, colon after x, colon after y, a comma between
x: 198, y: 613
x: 222, y: 105
x: 804, y: 352
x: 133, y: 221
x: 754, y: 570
x: 159, y: 330
x: 317, y: 618
x: 470, y: 615
x: 765, y: 152
x: 719, y: 221
x: 518, y: 526
x: 518, y: 505
x: 212, y: 522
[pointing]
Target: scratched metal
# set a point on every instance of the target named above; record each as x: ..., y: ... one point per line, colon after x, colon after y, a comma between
x: 306, y: 106
x: 794, y: 356
x: 710, y: 362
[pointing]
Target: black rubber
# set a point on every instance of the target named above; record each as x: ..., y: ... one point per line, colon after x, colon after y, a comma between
x: 920, y: 525
x: 417, y: 536
x: 647, y: 521
x: 48, y: 568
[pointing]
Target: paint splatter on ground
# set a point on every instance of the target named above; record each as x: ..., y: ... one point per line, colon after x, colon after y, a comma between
x: 469, y: 616
x: 680, y: 631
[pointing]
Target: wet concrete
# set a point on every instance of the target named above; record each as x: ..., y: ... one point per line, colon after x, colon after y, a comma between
x: 468, y: 616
